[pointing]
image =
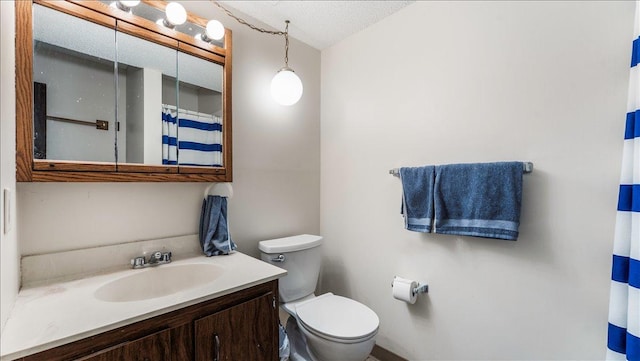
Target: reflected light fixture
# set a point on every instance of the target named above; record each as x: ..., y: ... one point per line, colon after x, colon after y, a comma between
x: 286, y: 86
x: 174, y: 14
x: 125, y: 5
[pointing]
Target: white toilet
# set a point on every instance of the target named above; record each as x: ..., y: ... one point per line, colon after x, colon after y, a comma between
x: 322, y: 328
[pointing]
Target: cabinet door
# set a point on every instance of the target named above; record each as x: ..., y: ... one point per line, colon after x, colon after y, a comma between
x: 154, y: 347
x: 247, y: 331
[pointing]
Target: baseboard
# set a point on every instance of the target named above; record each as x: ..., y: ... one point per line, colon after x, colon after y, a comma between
x: 385, y: 355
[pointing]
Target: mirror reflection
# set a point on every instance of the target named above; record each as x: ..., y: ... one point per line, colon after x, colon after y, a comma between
x: 168, y: 102
x: 74, y: 88
x: 200, y: 112
x: 148, y: 73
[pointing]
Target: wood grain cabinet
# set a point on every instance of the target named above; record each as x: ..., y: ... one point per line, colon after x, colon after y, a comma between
x: 239, y: 326
x: 153, y: 347
x: 237, y: 333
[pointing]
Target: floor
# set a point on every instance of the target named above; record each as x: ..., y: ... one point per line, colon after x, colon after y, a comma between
x: 371, y: 358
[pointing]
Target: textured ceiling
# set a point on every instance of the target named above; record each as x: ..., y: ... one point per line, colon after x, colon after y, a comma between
x: 318, y: 23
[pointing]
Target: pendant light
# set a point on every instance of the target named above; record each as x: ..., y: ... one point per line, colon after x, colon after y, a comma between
x: 286, y: 86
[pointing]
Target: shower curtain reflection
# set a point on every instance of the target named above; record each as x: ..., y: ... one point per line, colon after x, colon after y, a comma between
x: 191, y: 138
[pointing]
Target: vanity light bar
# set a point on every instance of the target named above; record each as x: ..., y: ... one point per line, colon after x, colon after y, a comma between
x: 176, y: 14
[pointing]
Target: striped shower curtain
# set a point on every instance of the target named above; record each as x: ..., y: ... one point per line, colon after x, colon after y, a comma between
x: 191, y: 138
x: 169, y: 135
x: 624, y: 304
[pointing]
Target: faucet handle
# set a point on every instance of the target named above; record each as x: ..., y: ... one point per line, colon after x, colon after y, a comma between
x: 166, y: 257
x: 155, y: 258
x: 137, y: 262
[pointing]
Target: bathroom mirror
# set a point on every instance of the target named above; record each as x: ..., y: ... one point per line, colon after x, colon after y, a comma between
x: 74, y: 92
x: 110, y: 95
x: 148, y: 73
x: 200, y: 112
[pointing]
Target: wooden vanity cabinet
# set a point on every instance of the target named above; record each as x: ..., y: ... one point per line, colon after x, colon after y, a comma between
x: 153, y: 347
x: 217, y: 335
x: 239, y: 326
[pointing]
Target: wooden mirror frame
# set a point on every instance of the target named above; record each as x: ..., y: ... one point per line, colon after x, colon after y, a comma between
x: 29, y: 169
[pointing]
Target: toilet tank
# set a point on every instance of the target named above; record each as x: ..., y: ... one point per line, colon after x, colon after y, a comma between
x: 300, y: 256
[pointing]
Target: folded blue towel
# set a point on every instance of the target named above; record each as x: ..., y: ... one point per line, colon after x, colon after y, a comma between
x: 214, y: 229
x: 417, y: 197
x: 481, y: 200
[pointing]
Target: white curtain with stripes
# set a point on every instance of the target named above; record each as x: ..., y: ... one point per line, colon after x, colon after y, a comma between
x: 624, y: 306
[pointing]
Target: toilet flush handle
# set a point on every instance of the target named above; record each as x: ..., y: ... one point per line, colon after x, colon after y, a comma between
x: 280, y: 258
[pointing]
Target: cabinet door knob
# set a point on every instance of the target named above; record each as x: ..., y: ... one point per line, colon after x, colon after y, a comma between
x: 216, y: 345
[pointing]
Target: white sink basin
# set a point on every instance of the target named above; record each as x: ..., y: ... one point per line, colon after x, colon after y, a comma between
x: 158, y: 281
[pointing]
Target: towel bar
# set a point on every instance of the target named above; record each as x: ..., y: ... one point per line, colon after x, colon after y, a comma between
x: 527, y: 167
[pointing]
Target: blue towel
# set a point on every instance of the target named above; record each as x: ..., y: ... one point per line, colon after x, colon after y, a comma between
x: 214, y: 229
x: 481, y: 200
x: 417, y: 197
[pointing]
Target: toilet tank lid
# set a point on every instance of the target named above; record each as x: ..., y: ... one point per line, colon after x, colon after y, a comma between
x: 290, y: 244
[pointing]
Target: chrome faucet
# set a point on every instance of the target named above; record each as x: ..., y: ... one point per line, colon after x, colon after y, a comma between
x: 155, y: 259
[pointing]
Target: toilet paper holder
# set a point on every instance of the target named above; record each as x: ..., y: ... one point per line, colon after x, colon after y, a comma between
x: 421, y: 288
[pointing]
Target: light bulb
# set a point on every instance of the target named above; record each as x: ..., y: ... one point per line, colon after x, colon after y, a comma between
x: 129, y: 3
x: 176, y: 14
x: 286, y: 87
x: 214, y: 30
x: 125, y: 5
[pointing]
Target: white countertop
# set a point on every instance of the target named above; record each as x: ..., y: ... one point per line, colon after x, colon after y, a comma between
x: 56, y: 314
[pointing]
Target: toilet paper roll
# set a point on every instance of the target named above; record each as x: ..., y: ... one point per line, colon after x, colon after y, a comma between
x: 403, y: 290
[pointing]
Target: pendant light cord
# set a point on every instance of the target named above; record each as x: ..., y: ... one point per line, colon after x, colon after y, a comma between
x: 286, y: 44
x: 285, y: 33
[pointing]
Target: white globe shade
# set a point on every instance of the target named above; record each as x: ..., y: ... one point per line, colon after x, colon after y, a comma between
x: 214, y: 30
x: 286, y: 87
x: 176, y: 14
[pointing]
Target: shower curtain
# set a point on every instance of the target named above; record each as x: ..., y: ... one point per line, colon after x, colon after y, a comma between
x: 199, y: 139
x: 624, y: 305
x: 191, y: 138
x: 169, y: 135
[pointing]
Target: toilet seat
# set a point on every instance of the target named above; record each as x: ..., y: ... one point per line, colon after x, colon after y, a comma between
x: 338, y: 318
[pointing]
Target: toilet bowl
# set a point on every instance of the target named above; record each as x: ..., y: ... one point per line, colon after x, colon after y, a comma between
x: 337, y: 328
x: 323, y: 328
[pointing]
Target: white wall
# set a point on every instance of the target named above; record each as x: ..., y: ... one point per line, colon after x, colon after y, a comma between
x: 276, y: 154
x: 9, y: 250
x: 276, y: 150
x: 454, y: 82
x: 472, y: 81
